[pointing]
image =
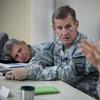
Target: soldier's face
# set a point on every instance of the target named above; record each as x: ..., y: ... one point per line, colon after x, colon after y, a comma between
x: 66, y: 30
x: 21, y: 52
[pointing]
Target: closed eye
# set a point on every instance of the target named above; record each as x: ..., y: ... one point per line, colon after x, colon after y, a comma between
x: 19, y: 50
x: 59, y: 27
x: 18, y: 53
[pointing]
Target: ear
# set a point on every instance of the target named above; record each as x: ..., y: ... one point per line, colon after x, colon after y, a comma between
x: 53, y: 27
x: 77, y: 24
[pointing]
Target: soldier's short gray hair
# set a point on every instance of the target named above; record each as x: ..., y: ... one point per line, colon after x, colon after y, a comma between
x: 9, y: 44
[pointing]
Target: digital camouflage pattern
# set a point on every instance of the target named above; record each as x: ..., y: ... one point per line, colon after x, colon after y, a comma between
x: 98, y: 87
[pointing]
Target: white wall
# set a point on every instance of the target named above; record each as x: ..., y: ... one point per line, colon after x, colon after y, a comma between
x: 60, y: 3
x: 42, y: 26
x: 88, y: 15
x: 42, y: 19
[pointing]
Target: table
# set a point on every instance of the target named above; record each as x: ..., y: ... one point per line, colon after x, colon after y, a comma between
x: 67, y: 92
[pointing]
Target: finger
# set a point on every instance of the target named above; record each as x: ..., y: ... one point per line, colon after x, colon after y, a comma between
x: 21, y: 76
x: 9, y: 73
x: 18, y: 76
x: 11, y: 77
x: 97, y: 47
x: 86, y: 47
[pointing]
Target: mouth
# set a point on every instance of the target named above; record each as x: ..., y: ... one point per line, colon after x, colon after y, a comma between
x: 66, y: 39
x: 24, y: 57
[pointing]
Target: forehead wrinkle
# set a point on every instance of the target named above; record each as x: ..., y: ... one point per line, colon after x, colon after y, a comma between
x: 67, y: 20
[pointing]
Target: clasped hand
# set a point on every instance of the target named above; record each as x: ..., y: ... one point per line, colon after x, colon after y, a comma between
x: 17, y: 74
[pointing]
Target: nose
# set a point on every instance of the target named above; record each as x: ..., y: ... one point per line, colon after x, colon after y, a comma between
x: 65, y: 31
x: 19, y: 55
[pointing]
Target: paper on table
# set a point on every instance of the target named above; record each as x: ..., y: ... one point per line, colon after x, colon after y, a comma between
x: 12, y: 65
x: 4, y: 92
x: 3, y: 98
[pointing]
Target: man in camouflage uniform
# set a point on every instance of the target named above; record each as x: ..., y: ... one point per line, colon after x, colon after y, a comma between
x: 62, y: 59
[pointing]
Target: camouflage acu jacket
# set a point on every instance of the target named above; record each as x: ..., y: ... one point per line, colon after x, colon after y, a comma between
x: 55, y: 62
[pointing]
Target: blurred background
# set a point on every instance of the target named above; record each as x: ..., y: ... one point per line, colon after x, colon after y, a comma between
x: 30, y: 20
